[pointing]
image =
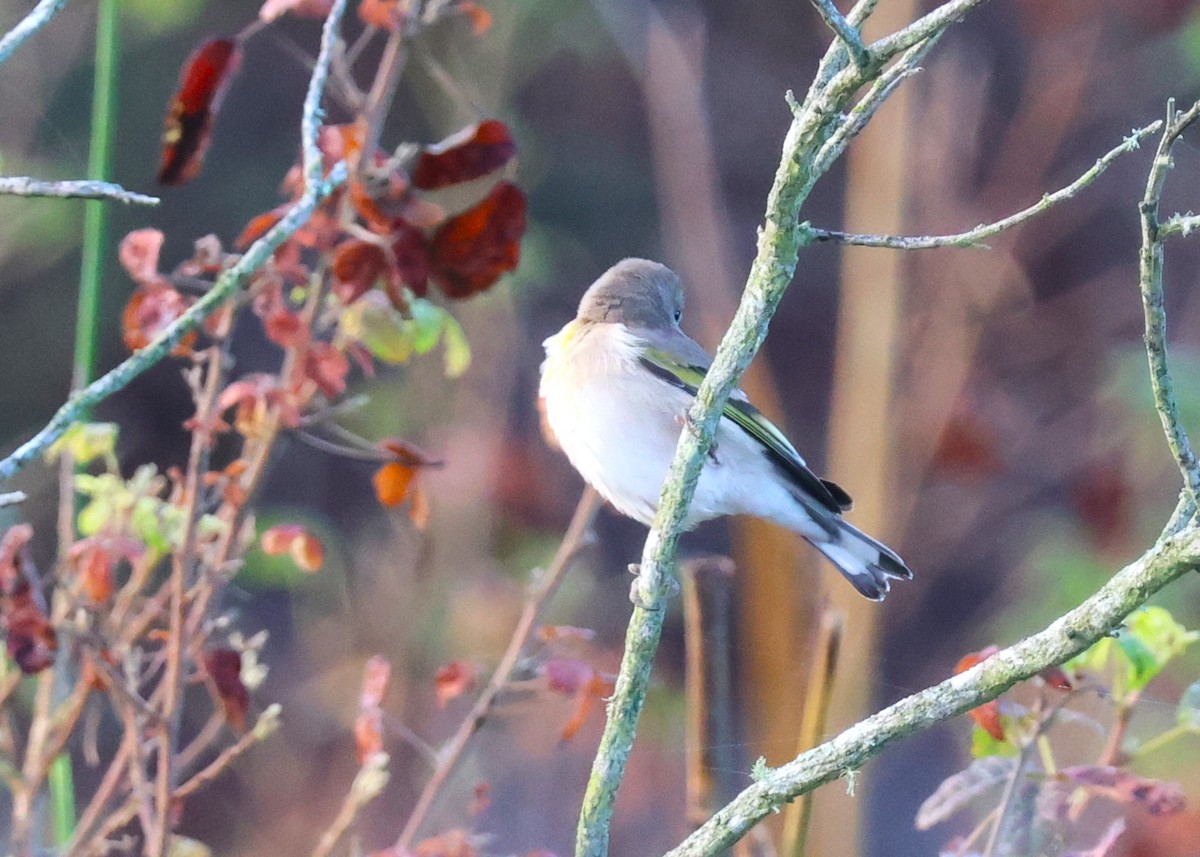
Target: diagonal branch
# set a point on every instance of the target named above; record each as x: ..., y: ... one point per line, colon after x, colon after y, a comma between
x: 974, y: 237
x: 37, y: 18
x: 1168, y: 560
x: 316, y: 188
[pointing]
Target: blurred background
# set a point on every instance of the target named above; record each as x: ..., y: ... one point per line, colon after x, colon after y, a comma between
x: 987, y: 408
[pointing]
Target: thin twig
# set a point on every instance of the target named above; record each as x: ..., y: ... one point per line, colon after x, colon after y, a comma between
x: 73, y: 189
x: 37, y: 18
x: 370, y: 780
x: 575, y: 538
x: 1150, y: 281
x: 266, y: 726
x: 844, y: 31
x: 974, y: 237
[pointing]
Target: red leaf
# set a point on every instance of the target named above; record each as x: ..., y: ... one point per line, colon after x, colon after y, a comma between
x: 150, y: 311
x: 471, y: 251
x: 138, y: 254
x: 1056, y: 677
x: 224, y: 667
x: 1103, y: 500
x: 357, y: 265
x: 272, y: 9
x: 260, y: 226
x: 31, y: 641
x: 411, y: 253
x: 986, y: 716
x: 452, y: 843
x: 305, y: 549
x: 482, y: 798
x: 368, y: 726
x: 385, y: 14
x: 472, y: 153
x: 567, y: 675
x: 202, y: 83
x: 966, y: 448
x: 327, y: 367
x: 453, y: 680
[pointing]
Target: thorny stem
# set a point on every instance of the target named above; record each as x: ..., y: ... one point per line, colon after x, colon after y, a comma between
x: 449, y: 755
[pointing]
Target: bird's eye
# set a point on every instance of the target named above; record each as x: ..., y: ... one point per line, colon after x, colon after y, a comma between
x: 678, y: 315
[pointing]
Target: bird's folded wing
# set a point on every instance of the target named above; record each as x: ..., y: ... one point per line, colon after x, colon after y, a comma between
x: 778, y: 448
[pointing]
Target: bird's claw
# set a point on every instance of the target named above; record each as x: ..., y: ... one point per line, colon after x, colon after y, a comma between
x: 670, y: 590
x: 685, y: 420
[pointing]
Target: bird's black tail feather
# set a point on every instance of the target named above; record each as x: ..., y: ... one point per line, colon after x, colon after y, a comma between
x: 868, y: 565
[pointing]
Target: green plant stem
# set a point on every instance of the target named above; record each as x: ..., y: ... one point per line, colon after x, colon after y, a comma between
x: 95, y: 214
x: 1161, y: 740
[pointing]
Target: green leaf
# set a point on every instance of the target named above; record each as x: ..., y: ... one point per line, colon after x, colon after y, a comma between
x: 379, y: 327
x: 456, y: 349
x: 86, y: 442
x: 984, y: 745
x: 1150, y: 639
x: 426, y: 325
x: 1188, y: 712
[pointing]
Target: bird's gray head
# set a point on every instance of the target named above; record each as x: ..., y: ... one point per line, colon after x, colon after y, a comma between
x: 637, y: 293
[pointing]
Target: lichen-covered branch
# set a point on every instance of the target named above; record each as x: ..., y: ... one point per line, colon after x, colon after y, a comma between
x: 844, y: 30
x: 815, y: 122
x: 317, y: 187
x: 37, y: 18
x: 975, y: 237
x: 1168, y: 560
x: 1150, y: 280
x: 72, y: 189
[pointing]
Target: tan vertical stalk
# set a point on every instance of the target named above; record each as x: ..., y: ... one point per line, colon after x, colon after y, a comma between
x: 860, y: 423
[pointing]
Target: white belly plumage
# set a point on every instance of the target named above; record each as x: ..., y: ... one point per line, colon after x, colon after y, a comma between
x: 619, y: 426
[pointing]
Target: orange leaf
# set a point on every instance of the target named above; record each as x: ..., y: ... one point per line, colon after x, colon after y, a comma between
x: 392, y: 482
x: 471, y: 251
x: 259, y: 226
x: 305, y: 549
x: 453, y: 680
x: 385, y: 14
x: 357, y: 265
x: 368, y: 726
x: 32, y: 640
x: 202, y: 83
x: 480, y: 18
x: 986, y: 716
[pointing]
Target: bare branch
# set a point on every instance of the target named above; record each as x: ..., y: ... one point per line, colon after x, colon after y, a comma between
x: 74, y: 189
x: 975, y: 237
x: 844, y: 30
x: 38, y: 17
x: 1150, y: 280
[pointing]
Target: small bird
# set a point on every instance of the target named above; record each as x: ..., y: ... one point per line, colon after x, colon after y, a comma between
x: 617, y: 384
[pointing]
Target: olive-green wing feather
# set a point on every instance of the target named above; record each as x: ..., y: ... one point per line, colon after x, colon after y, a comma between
x: 689, y: 375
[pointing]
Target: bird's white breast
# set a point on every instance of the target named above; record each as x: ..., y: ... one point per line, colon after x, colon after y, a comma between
x: 619, y: 426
